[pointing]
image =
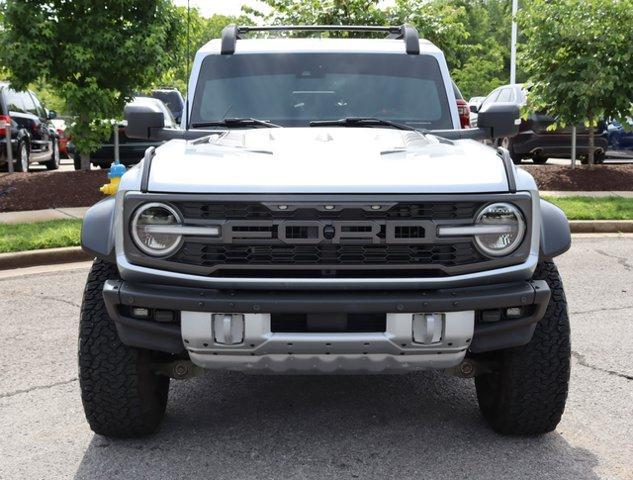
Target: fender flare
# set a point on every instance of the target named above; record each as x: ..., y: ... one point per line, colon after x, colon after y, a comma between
x: 555, y: 232
x: 97, y: 230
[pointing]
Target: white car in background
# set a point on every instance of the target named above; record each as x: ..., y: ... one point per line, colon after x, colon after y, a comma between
x: 476, y: 103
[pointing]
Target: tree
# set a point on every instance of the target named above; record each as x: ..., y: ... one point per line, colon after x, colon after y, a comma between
x: 186, y: 40
x: 578, y: 55
x: 94, y: 54
x: 329, y: 12
x: 440, y: 22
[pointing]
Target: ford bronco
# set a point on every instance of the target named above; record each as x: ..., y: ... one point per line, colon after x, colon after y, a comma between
x: 322, y: 211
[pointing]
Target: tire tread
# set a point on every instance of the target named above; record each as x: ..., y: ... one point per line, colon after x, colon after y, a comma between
x: 121, y: 396
x: 528, y: 393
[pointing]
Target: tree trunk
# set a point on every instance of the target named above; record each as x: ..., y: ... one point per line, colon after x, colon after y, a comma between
x: 591, y: 145
x: 85, y: 161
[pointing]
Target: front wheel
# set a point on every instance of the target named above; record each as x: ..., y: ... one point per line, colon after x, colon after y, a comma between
x: 22, y: 162
x: 525, y: 394
x: 507, y: 144
x: 121, y: 394
x: 53, y: 163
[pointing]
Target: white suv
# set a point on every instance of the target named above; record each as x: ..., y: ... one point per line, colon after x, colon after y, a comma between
x: 321, y: 211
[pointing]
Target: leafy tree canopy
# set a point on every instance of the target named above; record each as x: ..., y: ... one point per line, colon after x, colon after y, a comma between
x: 183, y: 45
x: 579, y: 58
x: 94, y: 54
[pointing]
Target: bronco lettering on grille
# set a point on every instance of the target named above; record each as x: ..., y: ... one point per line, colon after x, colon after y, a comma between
x: 312, y: 232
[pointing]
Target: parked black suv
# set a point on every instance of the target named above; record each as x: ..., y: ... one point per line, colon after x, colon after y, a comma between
x: 173, y: 99
x: 131, y: 150
x: 33, y: 137
x: 534, y: 140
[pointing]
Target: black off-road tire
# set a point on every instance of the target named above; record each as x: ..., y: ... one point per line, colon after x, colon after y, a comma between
x: 121, y: 394
x: 22, y: 161
x: 506, y: 143
x: 539, y: 159
x: 77, y: 161
x: 54, y: 162
x: 526, y: 393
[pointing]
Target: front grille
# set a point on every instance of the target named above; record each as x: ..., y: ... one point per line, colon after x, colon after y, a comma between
x: 329, y: 237
x: 380, y: 239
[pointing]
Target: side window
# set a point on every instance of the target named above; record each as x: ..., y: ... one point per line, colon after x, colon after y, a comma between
x: 39, y: 108
x: 169, y: 118
x: 489, y: 99
x: 14, y: 101
x: 28, y: 103
x: 505, y: 95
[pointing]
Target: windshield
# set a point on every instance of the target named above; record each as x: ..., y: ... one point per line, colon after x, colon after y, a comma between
x: 294, y: 89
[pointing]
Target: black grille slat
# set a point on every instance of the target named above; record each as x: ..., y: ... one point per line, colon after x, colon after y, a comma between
x: 279, y: 255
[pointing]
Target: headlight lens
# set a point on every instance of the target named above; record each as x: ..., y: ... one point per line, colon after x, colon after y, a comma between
x: 509, y: 232
x: 153, y: 229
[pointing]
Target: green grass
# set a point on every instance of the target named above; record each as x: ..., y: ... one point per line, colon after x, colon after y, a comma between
x: 66, y: 233
x: 33, y: 236
x: 601, y: 208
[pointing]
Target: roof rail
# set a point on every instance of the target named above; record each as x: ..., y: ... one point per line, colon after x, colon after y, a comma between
x: 232, y: 33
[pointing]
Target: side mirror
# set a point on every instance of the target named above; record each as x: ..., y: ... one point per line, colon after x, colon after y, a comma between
x: 499, y: 119
x: 52, y: 115
x: 474, y: 109
x: 144, y: 121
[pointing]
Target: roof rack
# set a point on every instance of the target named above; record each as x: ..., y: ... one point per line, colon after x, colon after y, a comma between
x: 232, y: 33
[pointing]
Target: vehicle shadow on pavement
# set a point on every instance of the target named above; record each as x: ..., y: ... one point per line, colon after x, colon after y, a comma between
x: 422, y: 425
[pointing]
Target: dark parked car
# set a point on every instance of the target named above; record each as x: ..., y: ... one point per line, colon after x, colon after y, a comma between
x: 620, y: 138
x: 131, y: 151
x: 173, y: 99
x: 33, y: 137
x: 534, y: 140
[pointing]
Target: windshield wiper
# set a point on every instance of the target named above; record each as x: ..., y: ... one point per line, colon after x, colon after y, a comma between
x: 237, y: 122
x: 360, y: 122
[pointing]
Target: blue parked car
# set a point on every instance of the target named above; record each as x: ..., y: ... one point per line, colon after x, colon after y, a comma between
x: 620, y: 138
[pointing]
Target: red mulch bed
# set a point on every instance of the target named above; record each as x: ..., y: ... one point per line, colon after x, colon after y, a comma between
x: 40, y: 190
x: 582, y: 178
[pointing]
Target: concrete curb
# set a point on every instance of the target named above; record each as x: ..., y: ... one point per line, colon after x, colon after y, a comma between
x: 33, y: 216
x: 601, y: 226
x: 49, y: 256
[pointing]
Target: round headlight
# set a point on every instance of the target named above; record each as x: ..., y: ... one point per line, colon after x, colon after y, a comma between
x: 503, y: 229
x: 155, y: 229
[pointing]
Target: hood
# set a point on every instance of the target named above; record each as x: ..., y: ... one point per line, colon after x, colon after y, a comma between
x: 326, y: 160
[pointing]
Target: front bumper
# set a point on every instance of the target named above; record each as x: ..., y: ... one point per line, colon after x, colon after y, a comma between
x: 265, y: 350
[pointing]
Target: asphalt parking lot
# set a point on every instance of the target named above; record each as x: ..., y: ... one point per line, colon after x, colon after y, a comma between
x: 232, y: 426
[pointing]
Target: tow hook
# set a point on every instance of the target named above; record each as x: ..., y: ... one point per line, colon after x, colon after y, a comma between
x: 178, y: 370
x: 469, y: 368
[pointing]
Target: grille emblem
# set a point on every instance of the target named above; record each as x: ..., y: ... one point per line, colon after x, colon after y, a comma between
x: 329, y: 231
